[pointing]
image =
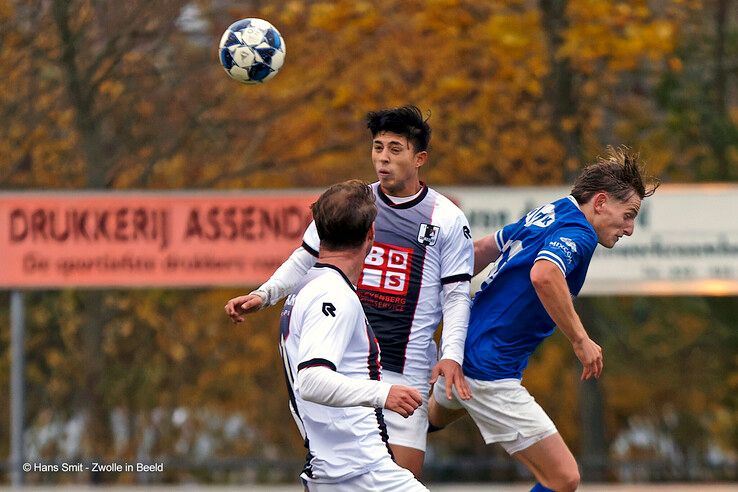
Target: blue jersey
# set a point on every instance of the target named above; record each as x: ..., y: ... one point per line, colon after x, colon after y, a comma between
x: 508, y: 321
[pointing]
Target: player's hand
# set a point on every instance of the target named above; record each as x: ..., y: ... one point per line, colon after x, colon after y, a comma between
x: 403, y: 400
x: 590, y: 355
x: 238, y: 306
x: 454, y: 376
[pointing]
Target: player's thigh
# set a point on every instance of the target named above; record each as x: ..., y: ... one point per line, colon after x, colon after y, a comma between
x: 506, y: 413
x: 441, y: 410
x: 410, y: 459
x: 410, y: 432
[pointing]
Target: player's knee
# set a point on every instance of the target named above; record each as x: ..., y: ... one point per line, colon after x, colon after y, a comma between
x: 440, y: 417
x: 432, y: 428
x: 566, y: 481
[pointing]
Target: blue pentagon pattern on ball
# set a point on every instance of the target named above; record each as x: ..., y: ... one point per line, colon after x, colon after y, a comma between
x: 252, y: 51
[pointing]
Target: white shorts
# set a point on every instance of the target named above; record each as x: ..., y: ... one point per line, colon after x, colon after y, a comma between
x: 503, y: 410
x: 384, y: 479
x: 411, y: 432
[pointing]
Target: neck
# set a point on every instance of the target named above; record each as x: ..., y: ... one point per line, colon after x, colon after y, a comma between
x: 588, y: 211
x: 350, y: 262
x: 406, y: 190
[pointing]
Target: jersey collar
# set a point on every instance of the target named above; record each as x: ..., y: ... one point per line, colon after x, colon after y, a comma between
x: 574, y: 201
x: 332, y: 267
x: 411, y: 203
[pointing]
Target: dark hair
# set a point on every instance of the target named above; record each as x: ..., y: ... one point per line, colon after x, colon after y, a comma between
x: 406, y: 121
x: 618, y: 173
x: 343, y: 215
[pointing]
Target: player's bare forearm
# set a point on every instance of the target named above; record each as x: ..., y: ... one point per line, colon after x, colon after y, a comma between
x: 485, y: 252
x: 553, y: 291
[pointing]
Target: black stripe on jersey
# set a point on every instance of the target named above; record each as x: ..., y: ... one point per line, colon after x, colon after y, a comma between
x: 393, y: 328
x: 416, y: 296
x: 310, y: 250
x: 383, y: 430
x: 288, y: 381
x: 333, y: 267
x: 308, y: 467
x: 462, y: 277
x: 316, y: 362
x: 409, y: 204
x: 372, y: 360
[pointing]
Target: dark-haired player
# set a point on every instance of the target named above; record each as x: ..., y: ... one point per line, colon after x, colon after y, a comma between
x: 417, y: 272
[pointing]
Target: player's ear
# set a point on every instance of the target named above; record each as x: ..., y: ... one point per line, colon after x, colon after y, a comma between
x: 421, y: 158
x: 599, y: 200
x: 369, y: 239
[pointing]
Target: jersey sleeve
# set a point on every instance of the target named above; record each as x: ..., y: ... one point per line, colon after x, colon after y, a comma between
x: 568, y: 247
x: 311, y: 240
x: 502, y: 236
x: 286, y: 277
x: 457, y: 256
x: 329, y: 322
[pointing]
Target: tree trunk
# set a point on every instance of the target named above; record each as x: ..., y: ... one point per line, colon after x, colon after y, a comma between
x: 560, y: 91
x: 82, y: 97
x: 593, y: 454
x: 719, y: 87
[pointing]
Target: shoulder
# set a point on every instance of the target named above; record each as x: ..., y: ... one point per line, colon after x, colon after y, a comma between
x: 577, y: 233
x: 323, y: 285
x: 444, y: 209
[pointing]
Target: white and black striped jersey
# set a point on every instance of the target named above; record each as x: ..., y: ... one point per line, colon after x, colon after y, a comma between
x: 323, y: 324
x: 419, y: 246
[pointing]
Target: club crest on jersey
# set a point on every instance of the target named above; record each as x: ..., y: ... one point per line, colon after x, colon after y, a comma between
x: 428, y: 234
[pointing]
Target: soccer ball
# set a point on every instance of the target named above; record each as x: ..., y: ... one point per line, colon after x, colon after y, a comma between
x: 252, y: 51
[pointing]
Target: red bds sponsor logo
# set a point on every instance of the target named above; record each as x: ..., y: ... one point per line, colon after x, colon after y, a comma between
x: 387, y: 269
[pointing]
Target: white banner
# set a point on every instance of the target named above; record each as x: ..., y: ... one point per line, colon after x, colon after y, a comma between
x: 685, y: 241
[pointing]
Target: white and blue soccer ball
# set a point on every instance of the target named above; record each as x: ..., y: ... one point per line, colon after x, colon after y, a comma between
x: 252, y: 51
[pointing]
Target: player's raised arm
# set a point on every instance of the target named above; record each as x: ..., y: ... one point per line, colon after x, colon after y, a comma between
x: 550, y: 285
x: 281, y: 283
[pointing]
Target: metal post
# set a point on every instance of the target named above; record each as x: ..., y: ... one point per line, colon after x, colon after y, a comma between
x: 17, y: 386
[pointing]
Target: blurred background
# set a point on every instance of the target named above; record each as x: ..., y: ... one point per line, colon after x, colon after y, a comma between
x: 111, y: 96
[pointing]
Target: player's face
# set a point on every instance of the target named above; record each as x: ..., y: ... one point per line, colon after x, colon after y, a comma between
x: 615, y: 218
x: 396, y: 164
